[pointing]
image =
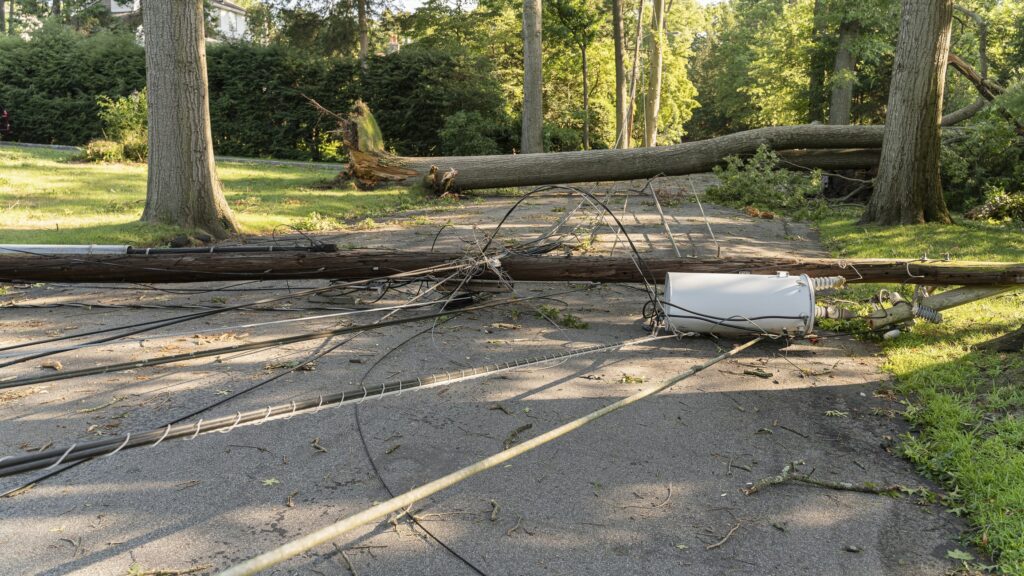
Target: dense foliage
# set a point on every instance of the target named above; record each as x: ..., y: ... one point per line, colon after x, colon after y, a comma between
x: 757, y: 182
x: 54, y: 86
x: 50, y: 85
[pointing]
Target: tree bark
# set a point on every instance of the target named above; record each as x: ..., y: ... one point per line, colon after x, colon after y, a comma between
x: 361, y: 264
x: 813, y: 146
x: 843, y: 76
x: 182, y: 187
x: 816, y: 87
x: 55, y: 8
x: 532, y: 140
x: 586, y: 99
x: 621, y: 86
x: 364, y: 33
x: 634, y: 71
x: 3, y: 18
x: 653, y: 104
x: 958, y: 116
x: 908, y: 189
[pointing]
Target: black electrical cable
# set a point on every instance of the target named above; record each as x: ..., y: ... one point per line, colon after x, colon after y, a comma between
x: 160, y: 360
x: 153, y: 324
x: 335, y: 314
x: 373, y: 463
x: 641, y: 265
x: 232, y: 249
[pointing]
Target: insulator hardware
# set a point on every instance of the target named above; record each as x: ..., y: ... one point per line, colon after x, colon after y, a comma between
x: 834, y: 312
x: 828, y: 283
x: 928, y: 314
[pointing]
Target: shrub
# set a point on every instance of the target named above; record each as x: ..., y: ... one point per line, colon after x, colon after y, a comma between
x: 999, y: 205
x: 57, y: 85
x: 124, y: 117
x: 124, y: 122
x: 989, y: 155
x: 50, y: 84
x: 103, y: 151
x: 412, y: 91
x: 759, y: 183
x: 467, y: 134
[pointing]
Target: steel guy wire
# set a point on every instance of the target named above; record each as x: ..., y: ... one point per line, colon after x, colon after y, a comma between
x: 151, y: 325
x: 313, y: 357
x: 52, y: 458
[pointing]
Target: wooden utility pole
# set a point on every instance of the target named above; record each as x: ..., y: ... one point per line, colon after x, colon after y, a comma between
x: 361, y: 264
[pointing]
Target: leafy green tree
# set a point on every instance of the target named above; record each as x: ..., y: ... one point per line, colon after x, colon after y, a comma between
x: 577, y: 24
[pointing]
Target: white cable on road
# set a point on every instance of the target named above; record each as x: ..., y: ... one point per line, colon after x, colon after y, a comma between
x: 402, y: 501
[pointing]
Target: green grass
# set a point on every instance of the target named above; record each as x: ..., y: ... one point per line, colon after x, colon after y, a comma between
x: 966, y: 406
x: 46, y: 199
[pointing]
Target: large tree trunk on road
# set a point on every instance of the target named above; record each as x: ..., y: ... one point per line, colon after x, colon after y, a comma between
x: 809, y: 146
x: 533, y: 80
x: 908, y: 189
x: 182, y: 189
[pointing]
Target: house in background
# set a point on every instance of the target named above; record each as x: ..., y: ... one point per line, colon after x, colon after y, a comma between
x: 228, y: 18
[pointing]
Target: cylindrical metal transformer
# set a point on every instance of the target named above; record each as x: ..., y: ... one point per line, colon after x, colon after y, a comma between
x: 739, y: 304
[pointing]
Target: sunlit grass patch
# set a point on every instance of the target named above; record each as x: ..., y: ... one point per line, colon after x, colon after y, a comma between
x: 45, y: 198
x: 966, y: 405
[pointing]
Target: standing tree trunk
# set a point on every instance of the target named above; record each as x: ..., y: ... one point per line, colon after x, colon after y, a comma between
x: 183, y: 188
x: 843, y: 75
x: 586, y: 99
x: 3, y: 19
x: 533, y: 80
x: 55, y: 8
x: 654, y: 77
x: 816, y: 87
x: 621, y: 88
x: 908, y: 189
x: 364, y: 34
x: 634, y: 71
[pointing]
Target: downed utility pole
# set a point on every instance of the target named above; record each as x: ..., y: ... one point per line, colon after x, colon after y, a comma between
x: 361, y: 264
x: 809, y: 146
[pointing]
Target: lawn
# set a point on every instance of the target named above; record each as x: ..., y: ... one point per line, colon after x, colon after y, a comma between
x: 45, y: 198
x: 966, y: 406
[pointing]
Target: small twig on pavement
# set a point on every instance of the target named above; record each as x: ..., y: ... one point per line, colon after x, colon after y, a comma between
x: 351, y: 568
x: 790, y: 473
x: 723, y: 540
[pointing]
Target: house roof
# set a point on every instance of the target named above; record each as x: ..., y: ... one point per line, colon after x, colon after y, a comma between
x: 231, y: 6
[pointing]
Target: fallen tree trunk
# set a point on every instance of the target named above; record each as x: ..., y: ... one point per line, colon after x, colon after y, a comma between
x: 811, y: 146
x: 365, y: 263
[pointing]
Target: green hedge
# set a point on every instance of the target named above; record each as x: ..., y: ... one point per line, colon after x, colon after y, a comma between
x: 258, y: 104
